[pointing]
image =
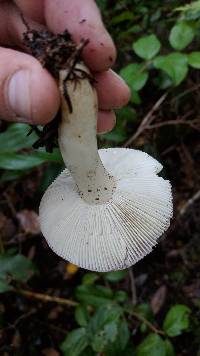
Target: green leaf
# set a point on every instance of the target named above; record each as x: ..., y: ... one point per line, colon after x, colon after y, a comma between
x: 104, y: 315
x: 169, y: 348
x: 17, y: 161
x: 124, y: 16
x: 90, y: 278
x: 115, y: 276
x: 116, y: 135
x: 103, y: 326
x: 75, y: 343
x: 177, y: 320
x: 181, y: 35
x: 93, y: 295
x: 8, y: 176
x: 15, y: 138
x: 123, y: 335
x: 15, y: 267
x: 4, y: 286
x: 111, y: 331
x: 194, y: 60
x: 102, y: 4
x: 151, y: 345
x: 135, y: 97
x: 175, y: 65
x: 81, y: 315
x: 147, y: 47
x: 135, y: 76
x: 121, y: 296
x: 126, y: 114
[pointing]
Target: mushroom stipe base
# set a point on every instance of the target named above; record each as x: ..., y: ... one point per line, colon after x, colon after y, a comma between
x: 115, y: 234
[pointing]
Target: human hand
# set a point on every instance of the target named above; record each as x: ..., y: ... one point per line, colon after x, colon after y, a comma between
x: 28, y: 93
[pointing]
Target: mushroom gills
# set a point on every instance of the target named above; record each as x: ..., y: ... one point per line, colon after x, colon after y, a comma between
x: 108, y: 209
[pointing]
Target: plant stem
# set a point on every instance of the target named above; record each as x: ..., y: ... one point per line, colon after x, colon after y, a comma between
x: 46, y: 297
x: 71, y: 303
x: 146, y: 322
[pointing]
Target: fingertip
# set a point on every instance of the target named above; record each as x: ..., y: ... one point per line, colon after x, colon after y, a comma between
x: 112, y: 91
x: 106, y: 121
x: 45, y: 98
x: 100, y: 53
x: 83, y: 20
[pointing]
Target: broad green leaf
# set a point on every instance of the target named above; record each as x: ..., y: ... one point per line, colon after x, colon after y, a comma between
x: 121, y: 296
x: 16, y: 267
x: 135, y: 76
x: 75, y: 343
x: 15, y: 138
x: 90, y: 278
x: 194, y: 60
x: 190, y: 11
x: 175, y: 65
x: 4, y: 286
x: 103, y: 326
x: 124, y: 16
x: 111, y: 331
x: 151, y: 345
x: 81, y: 315
x: 147, y: 47
x: 116, y: 135
x: 102, y: 4
x: 177, y: 320
x: 104, y: 315
x: 181, y: 35
x: 169, y: 348
x: 123, y: 334
x: 52, y: 170
x: 8, y: 176
x: 115, y: 276
x: 107, y: 335
x: 126, y: 113
x: 17, y: 161
x: 135, y: 97
x: 93, y: 295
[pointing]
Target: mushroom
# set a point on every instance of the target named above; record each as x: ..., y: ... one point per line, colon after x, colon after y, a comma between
x: 108, y: 209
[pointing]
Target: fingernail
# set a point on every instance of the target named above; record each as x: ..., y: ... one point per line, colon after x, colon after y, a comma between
x: 19, y: 94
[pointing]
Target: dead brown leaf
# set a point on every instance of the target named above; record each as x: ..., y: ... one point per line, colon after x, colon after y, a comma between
x: 29, y: 221
x: 7, y: 227
x: 50, y: 352
x: 158, y: 299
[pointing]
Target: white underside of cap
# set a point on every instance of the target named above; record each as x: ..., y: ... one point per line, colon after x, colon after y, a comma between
x: 116, y: 234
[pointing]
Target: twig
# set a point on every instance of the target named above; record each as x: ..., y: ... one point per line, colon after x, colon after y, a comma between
x: 133, y: 287
x: 46, y: 297
x: 146, y: 322
x: 146, y: 121
x: 188, y: 91
x: 190, y: 123
x: 189, y: 203
x: 71, y: 303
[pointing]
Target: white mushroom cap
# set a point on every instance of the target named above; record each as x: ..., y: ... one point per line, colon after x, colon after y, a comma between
x: 115, y: 234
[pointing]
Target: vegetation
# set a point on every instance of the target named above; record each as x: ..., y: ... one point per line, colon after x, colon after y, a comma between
x: 50, y: 307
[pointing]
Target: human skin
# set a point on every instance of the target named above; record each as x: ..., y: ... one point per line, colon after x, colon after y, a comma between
x: 28, y: 93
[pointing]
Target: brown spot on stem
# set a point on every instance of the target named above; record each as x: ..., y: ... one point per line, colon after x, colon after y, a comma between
x: 82, y: 21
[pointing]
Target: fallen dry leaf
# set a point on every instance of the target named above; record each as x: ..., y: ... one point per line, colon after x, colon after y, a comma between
x: 50, y: 352
x: 29, y: 221
x: 7, y: 227
x: 158, y: 299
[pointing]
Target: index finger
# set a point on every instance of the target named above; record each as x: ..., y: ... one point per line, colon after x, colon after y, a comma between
x: 83, y: 20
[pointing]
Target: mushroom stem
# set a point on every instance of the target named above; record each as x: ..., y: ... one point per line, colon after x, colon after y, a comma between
x: 78, y: 143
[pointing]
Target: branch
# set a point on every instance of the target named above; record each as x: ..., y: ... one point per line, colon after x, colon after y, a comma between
x: 146, y: 121
x: 46, y: 298
x: 133, y: 287
x: 146, y: 322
